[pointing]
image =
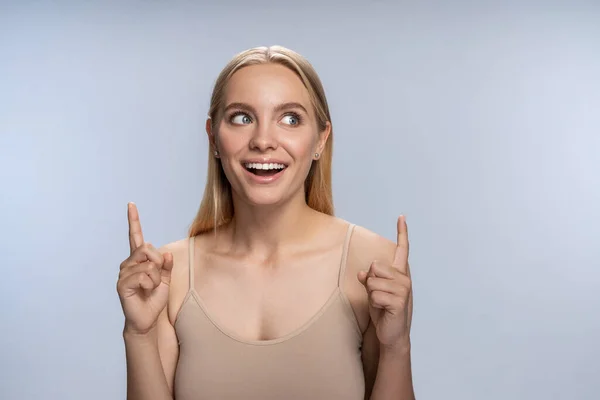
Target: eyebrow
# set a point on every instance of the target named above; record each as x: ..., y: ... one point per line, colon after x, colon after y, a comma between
x: 278, y: 108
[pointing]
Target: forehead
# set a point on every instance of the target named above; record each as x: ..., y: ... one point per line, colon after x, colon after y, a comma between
x: 266, y: 85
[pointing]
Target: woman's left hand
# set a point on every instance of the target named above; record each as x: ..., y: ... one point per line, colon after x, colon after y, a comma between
x: 389, y: 291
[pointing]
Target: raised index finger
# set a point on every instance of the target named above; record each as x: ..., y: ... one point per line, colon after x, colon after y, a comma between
x: 401, y: 255
x: 136, y: 238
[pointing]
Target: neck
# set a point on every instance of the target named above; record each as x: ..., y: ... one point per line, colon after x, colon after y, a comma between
x: 265, y: 230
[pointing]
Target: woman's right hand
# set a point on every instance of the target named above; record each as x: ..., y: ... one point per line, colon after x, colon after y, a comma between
x: 144, y: 279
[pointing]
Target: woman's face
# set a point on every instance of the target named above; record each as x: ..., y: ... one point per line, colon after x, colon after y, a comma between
x: 268, y: 135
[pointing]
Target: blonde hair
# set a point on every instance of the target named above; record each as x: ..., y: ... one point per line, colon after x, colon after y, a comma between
x: 216, y: 207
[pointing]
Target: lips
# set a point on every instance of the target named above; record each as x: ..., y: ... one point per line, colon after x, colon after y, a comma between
x: 264, y: 171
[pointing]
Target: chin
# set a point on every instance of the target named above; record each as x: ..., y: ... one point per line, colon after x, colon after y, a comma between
x: 264, y: 198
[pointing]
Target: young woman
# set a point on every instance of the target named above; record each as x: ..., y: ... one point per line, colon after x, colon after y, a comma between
x: 270, y: 296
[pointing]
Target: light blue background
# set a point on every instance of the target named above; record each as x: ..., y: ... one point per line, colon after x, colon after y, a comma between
x: 478, y: 120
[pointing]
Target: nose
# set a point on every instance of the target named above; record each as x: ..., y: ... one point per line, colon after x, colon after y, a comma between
x: 263, y: 138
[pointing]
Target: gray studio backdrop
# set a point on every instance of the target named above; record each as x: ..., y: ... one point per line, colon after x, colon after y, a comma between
x: 479, y: 121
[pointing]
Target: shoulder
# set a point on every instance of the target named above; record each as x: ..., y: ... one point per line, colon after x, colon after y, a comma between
x: 367, y: 246
x: 364, y: 247
x: 176, y: 247
x: 180, y: 251
x: 179, y: 275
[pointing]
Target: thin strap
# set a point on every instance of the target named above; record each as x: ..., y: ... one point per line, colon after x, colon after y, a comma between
x: 191, y: 262
x: 342, y: 274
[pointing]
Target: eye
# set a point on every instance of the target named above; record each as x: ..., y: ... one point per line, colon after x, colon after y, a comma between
x: 240, y: 118
x: 291, y: 119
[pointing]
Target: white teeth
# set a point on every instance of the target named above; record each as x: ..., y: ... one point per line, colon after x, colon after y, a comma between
x: 264, y: 166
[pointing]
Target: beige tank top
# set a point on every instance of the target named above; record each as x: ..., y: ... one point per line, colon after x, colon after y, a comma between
x: 320, y: 360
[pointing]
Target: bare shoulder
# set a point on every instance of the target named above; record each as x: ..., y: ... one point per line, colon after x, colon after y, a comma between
x: 179, y: 275
x: 177, y: 248
x: 180, y: 251
x: 365, y: 247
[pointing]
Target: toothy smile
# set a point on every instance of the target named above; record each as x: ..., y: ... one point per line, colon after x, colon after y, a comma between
x: 264, y: 169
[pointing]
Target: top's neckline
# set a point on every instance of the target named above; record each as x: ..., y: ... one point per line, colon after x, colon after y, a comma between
x: 335, y: 295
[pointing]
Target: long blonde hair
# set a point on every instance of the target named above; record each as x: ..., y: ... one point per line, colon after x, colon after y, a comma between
x: 216, y: 207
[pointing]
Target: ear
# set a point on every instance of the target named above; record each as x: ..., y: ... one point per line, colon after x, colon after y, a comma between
x: 323, y: 136
x: 210, y: 133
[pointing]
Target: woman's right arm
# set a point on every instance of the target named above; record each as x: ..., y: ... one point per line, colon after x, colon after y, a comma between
x: 150, y: 340
x: 151, y: 361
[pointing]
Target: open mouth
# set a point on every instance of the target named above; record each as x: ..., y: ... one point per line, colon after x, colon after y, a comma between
x: 266, y: 169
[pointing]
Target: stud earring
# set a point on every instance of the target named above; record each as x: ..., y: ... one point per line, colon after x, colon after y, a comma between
x: 316, y: 155
x: 217, y: 153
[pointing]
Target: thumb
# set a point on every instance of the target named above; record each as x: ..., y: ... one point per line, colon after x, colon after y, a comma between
x: 167, y: 267
x: 362, y: 277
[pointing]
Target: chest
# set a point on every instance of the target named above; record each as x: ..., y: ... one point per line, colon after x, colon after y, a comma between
x: 257, y: 302
x: 322, y: 361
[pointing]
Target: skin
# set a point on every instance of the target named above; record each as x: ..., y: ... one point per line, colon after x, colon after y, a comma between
x: 275, y: 250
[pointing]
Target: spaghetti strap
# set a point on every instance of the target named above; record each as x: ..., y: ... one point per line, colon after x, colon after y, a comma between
x: 191, y: 262
x: 342, y: 271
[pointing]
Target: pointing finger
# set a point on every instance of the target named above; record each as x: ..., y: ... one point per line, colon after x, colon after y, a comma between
x: 401, y: 254
x: 136, y: 238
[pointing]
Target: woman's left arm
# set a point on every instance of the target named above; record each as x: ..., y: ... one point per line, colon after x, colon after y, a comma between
x: 386, y: 343
x: 390, y: 374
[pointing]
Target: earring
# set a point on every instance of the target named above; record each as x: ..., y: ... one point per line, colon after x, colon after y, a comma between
x: 316, y: 155
x: 217, y: 153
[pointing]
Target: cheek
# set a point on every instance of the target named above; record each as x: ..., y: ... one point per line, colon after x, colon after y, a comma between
x: 300, y: 147
x: 230, y: 142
